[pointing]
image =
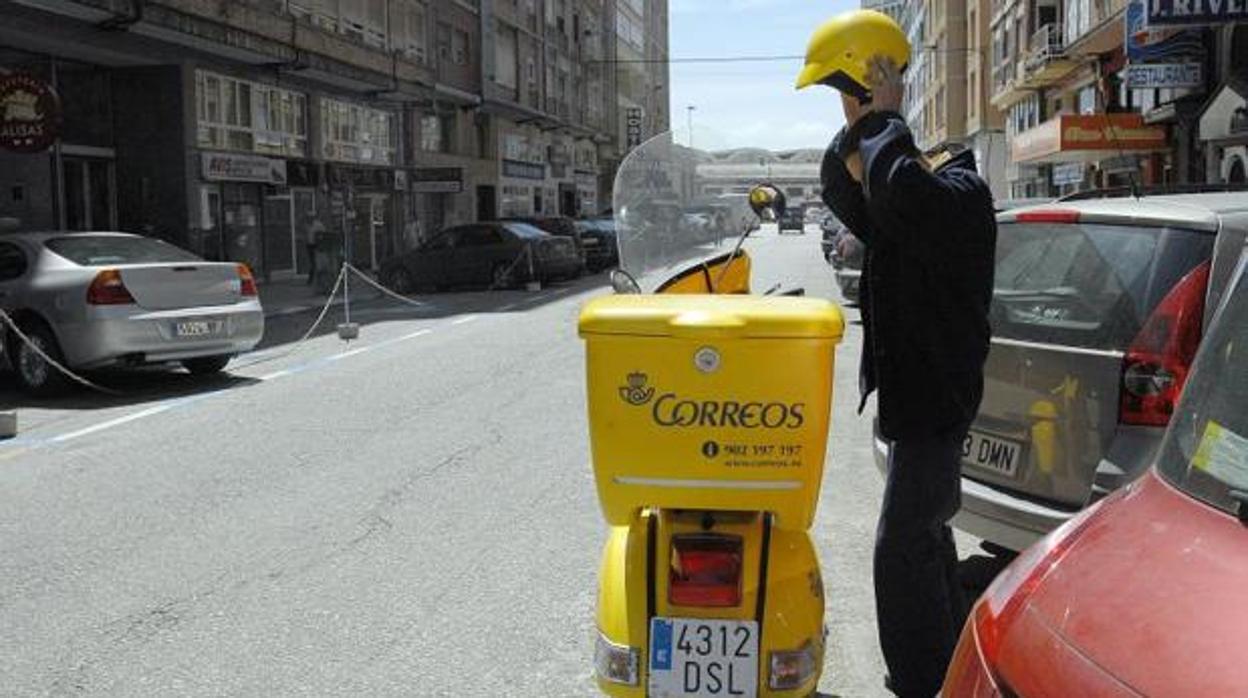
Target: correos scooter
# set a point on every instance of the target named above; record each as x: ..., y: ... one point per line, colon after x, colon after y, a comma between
x: 709, y: 413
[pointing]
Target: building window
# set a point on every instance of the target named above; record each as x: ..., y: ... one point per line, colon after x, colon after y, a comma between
x: 1087, y: 100
x: 443, y: 42
x: 460, y: 47
x: 235, y: 114
x: 355, y: 133
x: 437, y: 133
x: 411, y: 35
x: 505, y: 57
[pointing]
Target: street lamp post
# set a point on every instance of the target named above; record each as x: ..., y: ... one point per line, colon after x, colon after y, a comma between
x: 689, y: 110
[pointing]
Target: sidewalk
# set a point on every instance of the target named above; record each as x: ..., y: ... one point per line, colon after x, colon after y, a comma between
x: 291, y: 296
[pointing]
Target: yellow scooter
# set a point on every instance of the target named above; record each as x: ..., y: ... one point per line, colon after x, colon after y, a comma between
x: 709, y: 412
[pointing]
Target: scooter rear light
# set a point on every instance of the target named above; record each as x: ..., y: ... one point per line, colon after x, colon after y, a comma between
x: 792, y: 668
x: 705, y: 571
x: 615, y: 663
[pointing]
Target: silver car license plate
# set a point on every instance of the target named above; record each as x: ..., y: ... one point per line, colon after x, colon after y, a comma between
x: 993, y: 453
x: 196, y: 328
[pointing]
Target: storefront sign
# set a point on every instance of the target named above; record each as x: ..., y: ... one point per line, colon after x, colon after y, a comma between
x: 243, y: 168
x: 523, y: 170
x: 30, y: 114
x: 1084, y: 134
x: 1145, y: 44
x: 632, y: 124
x: 1163, y: 13
x: 1162, y: 75
x: 438, y: 180
x: 1068, y: 173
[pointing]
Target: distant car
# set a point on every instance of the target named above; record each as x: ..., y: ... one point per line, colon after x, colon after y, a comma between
x: 793, y: 220
x: 100, y: 299
x: 494, y: 254
x: 598, y: 237
x: 1098, y: 308
x: 848, y: 256
x: 1143, y: 594
x: 559, y: 226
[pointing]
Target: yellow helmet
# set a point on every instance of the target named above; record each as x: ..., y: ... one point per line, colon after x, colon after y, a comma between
x: 841, y: 47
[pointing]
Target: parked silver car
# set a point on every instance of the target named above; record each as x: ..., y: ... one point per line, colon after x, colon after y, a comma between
x: 1098, y: 308
x: 100, y: 299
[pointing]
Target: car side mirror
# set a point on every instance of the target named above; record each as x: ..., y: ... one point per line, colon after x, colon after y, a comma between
x: 767, y: 201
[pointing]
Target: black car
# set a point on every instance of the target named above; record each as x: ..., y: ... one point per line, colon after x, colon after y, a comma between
x: 559, y: 226
x: 495, y: 254
x: 599, y: 242
x: 793, y: 220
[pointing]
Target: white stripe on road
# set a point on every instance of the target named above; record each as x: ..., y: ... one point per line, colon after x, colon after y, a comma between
x: 114, y: 422
x: 464, y: 320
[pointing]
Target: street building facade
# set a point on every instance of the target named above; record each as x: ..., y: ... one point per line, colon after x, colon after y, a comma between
x: 736, y: 172
x: 228, y: 128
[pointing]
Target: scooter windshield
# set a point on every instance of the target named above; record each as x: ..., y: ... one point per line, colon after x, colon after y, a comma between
x: 667, y: 220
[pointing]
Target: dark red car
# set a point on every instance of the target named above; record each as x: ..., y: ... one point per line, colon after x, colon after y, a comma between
x: 1146, y: 592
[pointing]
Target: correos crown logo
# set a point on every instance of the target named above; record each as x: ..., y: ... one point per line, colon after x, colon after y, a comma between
x: 670, y: 410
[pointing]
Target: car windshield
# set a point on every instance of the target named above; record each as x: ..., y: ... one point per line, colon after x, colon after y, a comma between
x: 526, y: 231
x: 98, y: 250
x: 1087, y: 285
x: 1205, y: 453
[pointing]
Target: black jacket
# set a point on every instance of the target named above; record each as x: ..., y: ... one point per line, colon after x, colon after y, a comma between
x: 927, y: 279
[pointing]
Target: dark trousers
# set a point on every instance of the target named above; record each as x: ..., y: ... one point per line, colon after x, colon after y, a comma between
x: 918, y: 600
x: 311, y: 248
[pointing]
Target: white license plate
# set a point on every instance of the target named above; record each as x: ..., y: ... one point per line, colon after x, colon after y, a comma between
x: 691, y: 657
x: 991, y: 453
x: 196, y: 328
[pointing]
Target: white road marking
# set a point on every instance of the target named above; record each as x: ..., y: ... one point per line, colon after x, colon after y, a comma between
x: 464, y: 320
x: 508, y: 308
x: 109, y: 424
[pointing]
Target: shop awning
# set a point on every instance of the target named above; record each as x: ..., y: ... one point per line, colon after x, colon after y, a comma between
x: 1087, y: 138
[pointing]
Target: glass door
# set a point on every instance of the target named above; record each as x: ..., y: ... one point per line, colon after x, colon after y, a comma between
x: 89, y: 194
x: 279, y: 233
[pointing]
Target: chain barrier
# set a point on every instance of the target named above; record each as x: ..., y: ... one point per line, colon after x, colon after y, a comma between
x: 333, y: 293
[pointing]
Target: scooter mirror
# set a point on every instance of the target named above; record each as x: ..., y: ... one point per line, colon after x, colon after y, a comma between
x: 623, y: 283
x: 767, y: 201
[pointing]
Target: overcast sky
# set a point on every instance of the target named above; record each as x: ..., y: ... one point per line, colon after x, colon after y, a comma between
x: 749, y: 104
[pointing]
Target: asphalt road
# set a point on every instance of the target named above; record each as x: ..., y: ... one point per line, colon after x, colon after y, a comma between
x: 412, y: 514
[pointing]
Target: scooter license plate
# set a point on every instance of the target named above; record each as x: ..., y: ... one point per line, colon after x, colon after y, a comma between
x: 693, y: 657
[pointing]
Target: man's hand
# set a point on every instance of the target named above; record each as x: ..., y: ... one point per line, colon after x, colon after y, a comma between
x: 887, y: 88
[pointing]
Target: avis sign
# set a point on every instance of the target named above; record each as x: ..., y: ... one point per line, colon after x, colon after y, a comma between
x: 1185, y: 12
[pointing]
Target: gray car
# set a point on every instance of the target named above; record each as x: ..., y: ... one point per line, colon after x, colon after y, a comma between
x: 98, y: 299
x: 1098, y: 307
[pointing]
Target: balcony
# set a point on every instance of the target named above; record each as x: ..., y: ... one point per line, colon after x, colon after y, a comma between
x: 1098, y: 28
x: 1047, y: 60
x: 1007, y: 85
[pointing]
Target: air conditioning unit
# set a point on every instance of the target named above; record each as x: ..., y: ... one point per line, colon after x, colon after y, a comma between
x: 353, y: 30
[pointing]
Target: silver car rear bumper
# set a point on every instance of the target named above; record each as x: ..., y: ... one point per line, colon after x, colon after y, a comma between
x: 127, y: 334
x: 993, y: 515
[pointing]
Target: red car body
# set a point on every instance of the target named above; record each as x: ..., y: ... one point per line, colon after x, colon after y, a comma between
x: 1145, y: 593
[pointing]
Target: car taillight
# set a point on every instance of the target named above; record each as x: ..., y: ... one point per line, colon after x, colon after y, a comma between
x: 247, y: 281
x: 1006, y: 597
x: 1156, y: 365
x: 705, y: 571
x: 1047, y: 216
x: 108, y: 289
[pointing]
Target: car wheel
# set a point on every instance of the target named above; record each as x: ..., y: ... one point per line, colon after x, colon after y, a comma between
x: 206, y: 365
x: 35, y: 376
x: 399, y: 280
x: 501, y: 276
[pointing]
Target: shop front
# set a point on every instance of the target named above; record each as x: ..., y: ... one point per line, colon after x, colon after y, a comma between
x: 367, y: 194
x: 57, y: 151
x: 1224, y: 132
x: 1107, y: 149
x: 246, y: 212
x: 523, y: 186
x: 438, y: 191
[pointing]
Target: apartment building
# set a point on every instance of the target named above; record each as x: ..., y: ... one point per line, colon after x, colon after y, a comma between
x: 228, y: 126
